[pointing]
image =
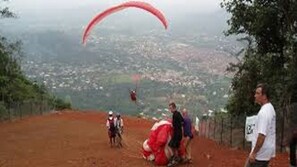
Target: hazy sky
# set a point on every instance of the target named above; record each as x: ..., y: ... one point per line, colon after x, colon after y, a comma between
x: 77, y: 13
x: 200, y: 6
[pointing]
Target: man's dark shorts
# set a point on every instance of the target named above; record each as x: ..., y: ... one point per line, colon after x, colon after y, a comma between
x: 257, y: 164
x: 175, y: 141
x: 111, y: 133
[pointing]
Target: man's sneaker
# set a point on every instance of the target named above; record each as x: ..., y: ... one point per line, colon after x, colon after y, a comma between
x: 172, y: 163
x: 178, y: 159
x: 171, y: 159
x: 187, y: 161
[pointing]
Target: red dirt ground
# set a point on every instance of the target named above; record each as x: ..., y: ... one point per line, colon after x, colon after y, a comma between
x: 79, y: 139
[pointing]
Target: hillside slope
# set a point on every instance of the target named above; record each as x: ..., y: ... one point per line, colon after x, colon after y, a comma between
x: 79, y: 139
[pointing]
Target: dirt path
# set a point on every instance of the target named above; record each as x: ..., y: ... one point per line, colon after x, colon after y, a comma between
x: 80, y: 140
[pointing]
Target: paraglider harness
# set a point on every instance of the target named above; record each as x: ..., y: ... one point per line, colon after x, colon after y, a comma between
x: 133, y: 95
x: 133, y: 92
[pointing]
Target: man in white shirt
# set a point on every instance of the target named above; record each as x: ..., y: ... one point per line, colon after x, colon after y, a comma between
x: 119, y: 124
x: 263, y: 143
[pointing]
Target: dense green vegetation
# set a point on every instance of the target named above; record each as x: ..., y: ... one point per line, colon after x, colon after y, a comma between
x: 269, y: 28
x: 14, y: 86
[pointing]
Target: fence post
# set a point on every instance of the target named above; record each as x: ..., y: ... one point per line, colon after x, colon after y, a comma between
x: 205, y: 128
x: 209, y: 123
x: 214, y: 129
x: 40, y: 108
x: 199, y: 128
x: 30, y: 108
x: 243, y: 137
x: 231, y: 124
x: 20, y: 111
x: 222, y: 126
x: 9, y: 113
x: 282, y: 129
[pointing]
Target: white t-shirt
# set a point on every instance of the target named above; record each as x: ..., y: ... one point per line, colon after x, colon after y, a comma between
x: 265, y: 125
x: 119, y: 123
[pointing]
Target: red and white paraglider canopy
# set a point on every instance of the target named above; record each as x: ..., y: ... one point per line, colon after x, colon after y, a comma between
x: 141, y: 5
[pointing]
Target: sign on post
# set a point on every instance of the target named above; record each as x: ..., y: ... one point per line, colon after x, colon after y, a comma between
x: 250, y: 125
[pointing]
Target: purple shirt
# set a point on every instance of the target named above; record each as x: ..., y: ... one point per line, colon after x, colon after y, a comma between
x: 187, y: 127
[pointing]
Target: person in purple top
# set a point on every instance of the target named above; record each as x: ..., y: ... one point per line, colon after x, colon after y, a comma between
x: 188, y: 135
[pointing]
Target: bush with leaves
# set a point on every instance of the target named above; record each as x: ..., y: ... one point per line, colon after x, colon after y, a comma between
x: 270, y: 28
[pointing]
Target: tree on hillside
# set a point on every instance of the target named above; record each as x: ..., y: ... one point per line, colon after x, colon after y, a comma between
x: 14, y: 86
x: 271, y: 56
x: 9, y: 53
x: 4, y: 11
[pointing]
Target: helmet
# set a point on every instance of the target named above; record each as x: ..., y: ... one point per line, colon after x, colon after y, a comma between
x: 118, y: 114
x: 110, y: 113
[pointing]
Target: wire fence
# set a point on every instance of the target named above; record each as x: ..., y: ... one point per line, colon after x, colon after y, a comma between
x: 222, y: 128
x: 20, y: 110
x: 230, y: 131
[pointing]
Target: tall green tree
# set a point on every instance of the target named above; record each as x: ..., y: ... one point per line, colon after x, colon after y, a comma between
x: 9, y: 67
x: 14, y: 85
x: 270, y: 26
x: 4, y: 11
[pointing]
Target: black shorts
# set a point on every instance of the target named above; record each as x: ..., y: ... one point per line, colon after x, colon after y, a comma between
x: 175, y: 141
x: 257, y: 164
x: 111, y: 133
